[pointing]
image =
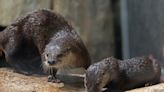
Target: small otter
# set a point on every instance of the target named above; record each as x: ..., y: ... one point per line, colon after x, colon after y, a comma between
x: 43, y: 35
x: 122, y: 75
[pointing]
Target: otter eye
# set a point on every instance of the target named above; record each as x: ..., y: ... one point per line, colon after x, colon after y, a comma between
x: 46, y: 55
x: 103, y: 73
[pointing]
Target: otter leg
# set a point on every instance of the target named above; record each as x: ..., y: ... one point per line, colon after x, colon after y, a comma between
x: 52, y: 77
x: 148, y: 84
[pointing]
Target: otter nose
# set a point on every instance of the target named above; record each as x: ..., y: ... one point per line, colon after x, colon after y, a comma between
x: 51, y: 62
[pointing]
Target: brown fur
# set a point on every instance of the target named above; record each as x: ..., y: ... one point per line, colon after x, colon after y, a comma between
x: 26, y: 41
x: 122, y: 75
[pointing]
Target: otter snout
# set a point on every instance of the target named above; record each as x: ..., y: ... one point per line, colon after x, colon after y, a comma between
x: 51, y: 62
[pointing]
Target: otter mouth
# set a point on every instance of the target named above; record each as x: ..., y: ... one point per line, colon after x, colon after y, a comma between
x: 48, y: 68
x: 52, y: 64
x: 60, y: 62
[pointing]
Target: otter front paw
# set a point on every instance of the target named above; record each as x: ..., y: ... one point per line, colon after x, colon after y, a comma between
x: 53, y: 79
x: 148, y: 84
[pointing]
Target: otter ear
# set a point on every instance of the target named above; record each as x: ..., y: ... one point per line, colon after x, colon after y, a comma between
x: 151, y: 56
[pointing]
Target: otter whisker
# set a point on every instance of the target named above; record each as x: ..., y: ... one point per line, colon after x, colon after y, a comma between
x: 45, y: 68
x: 51, y: 71
x: 41, y: 67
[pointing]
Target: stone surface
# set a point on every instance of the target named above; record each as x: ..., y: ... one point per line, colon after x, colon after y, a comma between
x: 154, y: 88
x: 14, y: 82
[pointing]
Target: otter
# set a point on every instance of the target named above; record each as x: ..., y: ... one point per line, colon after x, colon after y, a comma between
x: 43, y: 38
x: 120, y: 75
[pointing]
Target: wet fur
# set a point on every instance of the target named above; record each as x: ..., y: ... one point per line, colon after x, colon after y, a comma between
x: 122, y: 75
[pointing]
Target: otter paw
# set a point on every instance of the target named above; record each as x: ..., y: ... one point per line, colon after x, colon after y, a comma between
x: 53, y: 79
x: 148, y: 84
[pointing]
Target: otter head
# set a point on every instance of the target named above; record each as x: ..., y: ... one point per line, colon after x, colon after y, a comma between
x: 156, y: 65
x: 100, y: 74
x: 58, y: 56
x: 96, y: 77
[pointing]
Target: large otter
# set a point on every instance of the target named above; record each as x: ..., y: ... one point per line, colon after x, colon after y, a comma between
x: 43, y: 35
x: 119, y: 75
